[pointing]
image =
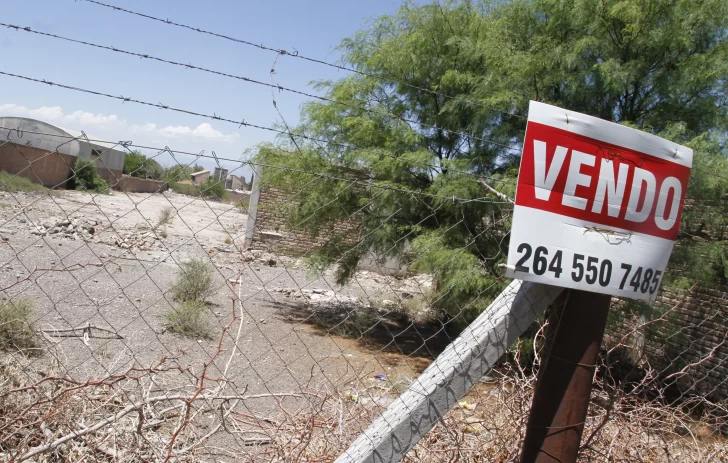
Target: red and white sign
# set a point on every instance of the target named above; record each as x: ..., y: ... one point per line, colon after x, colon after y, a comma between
x: 598, y: 204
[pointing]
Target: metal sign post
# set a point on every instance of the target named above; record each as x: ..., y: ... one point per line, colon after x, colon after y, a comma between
x: 563, y: 388
x: 597, y: 210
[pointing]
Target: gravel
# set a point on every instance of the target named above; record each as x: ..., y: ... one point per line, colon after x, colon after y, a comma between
x: 100, y: 261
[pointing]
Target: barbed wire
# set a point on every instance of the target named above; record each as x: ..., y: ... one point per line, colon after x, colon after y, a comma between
x: 256, y: 354
x: 241, y: 123
x: 265, y: 84
x: 295, y: 54
x: 324, y: 367
x: 128, y: 144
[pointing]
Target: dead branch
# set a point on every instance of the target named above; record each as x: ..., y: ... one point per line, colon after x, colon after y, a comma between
x: 489, y: 189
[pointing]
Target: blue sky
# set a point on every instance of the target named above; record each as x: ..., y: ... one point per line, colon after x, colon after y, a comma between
x: 314, y: 28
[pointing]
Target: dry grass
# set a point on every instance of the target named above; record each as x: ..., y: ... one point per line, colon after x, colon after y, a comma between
x: 316, y: 424
x: 166, y: 216
x: 188, y: 319
x: 11, y: 182
x: 16, y: 326
x: 194, y: 281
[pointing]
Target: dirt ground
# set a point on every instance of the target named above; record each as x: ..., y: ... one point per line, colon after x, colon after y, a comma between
x: 99, y: 270
x: 118, y: 279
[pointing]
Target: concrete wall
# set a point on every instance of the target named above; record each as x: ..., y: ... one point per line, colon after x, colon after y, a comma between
x: 112, y: 177
x: 269, y: 217
x: 50, y: 169
x: 220, y: 174
x: 234, y: 182
x: 140, y: 185
x: 110, y: 158
x: 237, y: 197
x: 199, y: 178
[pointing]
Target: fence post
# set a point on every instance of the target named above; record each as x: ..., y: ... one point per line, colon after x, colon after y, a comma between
x: 452, y: 374
x: 253, y: 207
x: 563, y: 389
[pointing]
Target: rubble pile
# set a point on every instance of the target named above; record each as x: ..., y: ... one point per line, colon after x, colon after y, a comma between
x: 262, y: 257
x: 76, y: 228
x: 317, y: 296
x: 406, y: 287
x: 139, y: 240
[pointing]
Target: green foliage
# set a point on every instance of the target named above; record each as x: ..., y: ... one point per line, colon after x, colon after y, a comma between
x: 188, y: 319
x: 701, y: 252
x: 209, y: 189
x: 194, y: 281
x: 16, y: 326
x: 185, y: 189
x: 213, y: 189
x: 87, y: 177
x: 657, y: 65
x: 192, y: 288
x: 177, y: 173
x: 138, y: 165
x: 11, y: 182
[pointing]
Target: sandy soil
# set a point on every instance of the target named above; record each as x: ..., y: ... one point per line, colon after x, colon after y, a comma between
x: 118, y: 279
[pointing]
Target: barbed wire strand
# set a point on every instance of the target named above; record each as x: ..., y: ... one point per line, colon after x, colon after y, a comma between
x: 241, y: 123
x: 127, y: 144
x: 295, y: 54
x: 265, y: 84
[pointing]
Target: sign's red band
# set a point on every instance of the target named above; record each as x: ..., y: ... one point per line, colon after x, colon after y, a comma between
x: 587, y: 179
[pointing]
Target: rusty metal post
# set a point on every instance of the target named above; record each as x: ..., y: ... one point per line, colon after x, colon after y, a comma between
x: 561, y: 399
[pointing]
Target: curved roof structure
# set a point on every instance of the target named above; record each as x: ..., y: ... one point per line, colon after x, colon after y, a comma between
x: 48, y: 137
x: 38, y: 134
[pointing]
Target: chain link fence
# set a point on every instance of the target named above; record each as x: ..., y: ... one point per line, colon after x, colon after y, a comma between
x: 149, y: 327
x: 175, y: 320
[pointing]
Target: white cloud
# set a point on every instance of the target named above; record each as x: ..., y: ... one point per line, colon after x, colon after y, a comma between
x: 80, y: 120
x: 203, y: 131
x: 43, y: 113
x: 56, y: 114
x: 90, y: 118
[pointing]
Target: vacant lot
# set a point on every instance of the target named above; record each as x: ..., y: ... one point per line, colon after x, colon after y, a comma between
x: 288, y: 372
x: 115, y: 268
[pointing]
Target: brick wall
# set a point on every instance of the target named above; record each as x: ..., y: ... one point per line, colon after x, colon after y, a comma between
x: 48, y: 169
x: 140, y: 185
x: 270, y: 217
x: 111, y: 176
x: 685, y: 328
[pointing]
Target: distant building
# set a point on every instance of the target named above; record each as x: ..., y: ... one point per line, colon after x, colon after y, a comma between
x: 220, y: 174
x: 200, y: 177
x: 234, y: 182
x: 46, y: 154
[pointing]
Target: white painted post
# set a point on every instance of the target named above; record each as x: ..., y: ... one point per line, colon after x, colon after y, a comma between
x: 253, y: 207
x: 452, y: 375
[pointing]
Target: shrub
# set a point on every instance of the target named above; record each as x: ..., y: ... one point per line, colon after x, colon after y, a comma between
x: 87, y: 177
x: 194, y: 282
x: 16, y: 327
x: 185, y: 188
x: 138, y: 165
x: 209, y: 189
x: 188, y: 319
x: 177, y: 173
x: 166, y: 216
x: 213, y: 188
